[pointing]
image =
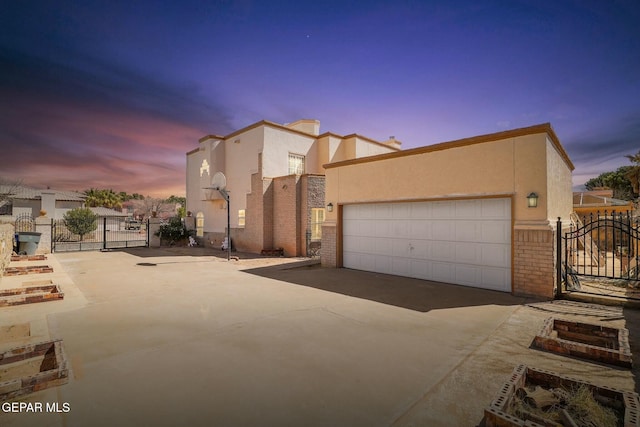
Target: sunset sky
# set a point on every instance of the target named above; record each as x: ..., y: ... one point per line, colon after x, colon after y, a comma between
x: 112, y: 94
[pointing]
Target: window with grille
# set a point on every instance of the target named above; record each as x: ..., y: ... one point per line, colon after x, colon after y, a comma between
x: 296, y: 164
x: 317, y: 218
x: 241, y: 218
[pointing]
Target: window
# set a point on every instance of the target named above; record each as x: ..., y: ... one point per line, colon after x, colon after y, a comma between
x: 199, y: 224
x: 296, y: 164
x: 241, y: 218
x: 317, y: 218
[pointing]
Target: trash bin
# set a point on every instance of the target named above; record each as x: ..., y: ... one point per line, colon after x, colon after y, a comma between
x: 28, y: 242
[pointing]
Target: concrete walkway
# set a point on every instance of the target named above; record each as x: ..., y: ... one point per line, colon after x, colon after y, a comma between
x: 199, y: 341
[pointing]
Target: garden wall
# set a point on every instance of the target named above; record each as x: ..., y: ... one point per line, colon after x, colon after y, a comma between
x: 6, y: 245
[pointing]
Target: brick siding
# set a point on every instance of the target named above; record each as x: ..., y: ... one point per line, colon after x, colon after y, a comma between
x: 328, y: 250
x: 534, y: 263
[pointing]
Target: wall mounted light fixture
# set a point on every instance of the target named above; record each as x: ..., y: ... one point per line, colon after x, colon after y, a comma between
x: 330, y: 207
x: 532, y: 200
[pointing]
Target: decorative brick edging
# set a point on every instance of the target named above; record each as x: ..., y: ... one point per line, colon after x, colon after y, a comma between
x: 586, y: 341
x: 495, y: 414
x: 30, y: 295
x: 54, y: 369
x: 32, y: 269
x: 28, y: 257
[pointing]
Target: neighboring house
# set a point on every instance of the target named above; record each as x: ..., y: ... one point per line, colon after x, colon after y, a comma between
x: 596, y: 202
x: 458, y: 212
x: 275, y: 178
x: 27, y: 200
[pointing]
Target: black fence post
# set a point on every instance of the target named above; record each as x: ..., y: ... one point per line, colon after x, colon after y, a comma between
x: 53, y: 233
x: 559, y: 258
x: 104, y: 233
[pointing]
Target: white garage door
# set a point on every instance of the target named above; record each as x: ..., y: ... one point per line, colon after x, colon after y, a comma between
x: 466, y: 242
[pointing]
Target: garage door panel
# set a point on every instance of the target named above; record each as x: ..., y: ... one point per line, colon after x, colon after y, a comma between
x: 401, y: 229
x: 384, y: 229
x: 420, y: 229
x: 420, y: 210
x: 466, y: 209
x: 443, y: 230
x: 495, y: 278
x: 419, y: 249
x: 467, y: 230
x: 420, y: 269
x: 383, y: 211
x: 495, y: 255
x: 495, y: 231
x: 442, y: 210
x: 467, y: 242
x: 367, y: 228
x: 443, y: 272
x: 399, y: 247
x: 495, y: 208
x: 467, y: 253
x: 400, y: 266
x: 401, y: 211
x: 443, y: 251
x: 467, y: 275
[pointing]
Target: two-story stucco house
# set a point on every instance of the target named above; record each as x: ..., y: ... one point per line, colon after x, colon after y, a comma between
x: 275, y: 179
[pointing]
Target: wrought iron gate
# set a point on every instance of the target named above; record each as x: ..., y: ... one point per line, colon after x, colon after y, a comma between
x: 600, y: 254
x: 108, y: 233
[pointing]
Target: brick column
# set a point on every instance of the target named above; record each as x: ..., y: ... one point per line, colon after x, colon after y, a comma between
x: 534, y: 262
x: 328, y: 248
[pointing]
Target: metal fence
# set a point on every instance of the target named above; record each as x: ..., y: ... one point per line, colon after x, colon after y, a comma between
x: 106, y: 233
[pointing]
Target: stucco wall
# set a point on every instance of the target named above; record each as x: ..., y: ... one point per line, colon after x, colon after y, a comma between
x: 277, y: 146
x: 500, y: 167
x: 6, y: 245
x: 513, y: 165
x: 559, y: 186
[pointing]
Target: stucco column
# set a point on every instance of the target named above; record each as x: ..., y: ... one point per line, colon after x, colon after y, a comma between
x: 43, y: 226
x: 6, y: 245
x: 154, y: 226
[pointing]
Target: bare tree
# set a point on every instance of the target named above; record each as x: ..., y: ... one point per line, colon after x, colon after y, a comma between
x: 145, y: 207
x: 8, y: 190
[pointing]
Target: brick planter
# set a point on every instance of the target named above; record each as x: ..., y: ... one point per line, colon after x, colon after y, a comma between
x: 41, y: 291
x: 28, y: 257
x: 496, y: 414
x: 33, y: 269
x: 585, y: 341
x: 32, y: 368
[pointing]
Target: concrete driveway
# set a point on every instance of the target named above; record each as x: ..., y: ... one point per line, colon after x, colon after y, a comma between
x: 199, y: 341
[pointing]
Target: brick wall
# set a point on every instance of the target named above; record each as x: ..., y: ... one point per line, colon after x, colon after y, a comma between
x: 534, y: 263
x: 328, y: 254
x: 257, y: 234
x: 286, y: 217
x: 312, y: 196
x: 6, y: 245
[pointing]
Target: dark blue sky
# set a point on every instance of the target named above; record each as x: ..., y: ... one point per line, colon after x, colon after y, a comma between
x: 113, y: 93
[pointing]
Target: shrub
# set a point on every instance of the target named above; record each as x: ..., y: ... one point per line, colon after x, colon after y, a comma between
x: 80, y: 221
x: 174, y: 230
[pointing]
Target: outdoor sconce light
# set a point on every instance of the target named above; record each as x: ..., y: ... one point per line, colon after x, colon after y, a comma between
x: 532, y: 200
x: 330, y: 207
